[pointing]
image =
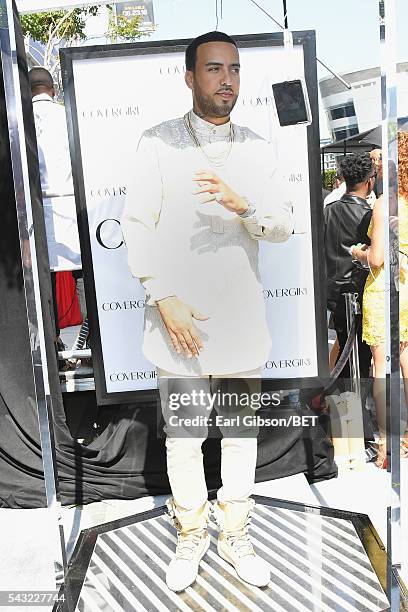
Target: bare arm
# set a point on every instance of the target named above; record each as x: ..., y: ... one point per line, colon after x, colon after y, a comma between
x: 374, y: 255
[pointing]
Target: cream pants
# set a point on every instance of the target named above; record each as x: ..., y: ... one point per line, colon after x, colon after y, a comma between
x: 183, y: 443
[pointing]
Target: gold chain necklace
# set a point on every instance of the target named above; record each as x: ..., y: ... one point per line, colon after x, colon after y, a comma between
x: 214, y: 161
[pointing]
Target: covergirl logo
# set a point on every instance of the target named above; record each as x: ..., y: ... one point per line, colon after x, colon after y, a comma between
x: 172, y: 70
x: 287, y: 292
x: 296, y: 177
x: 109, y: 235
x: 256, y: 102
x: 125, y: 376
x: 123, y: 305
x: 111, y: 112
x: 107, y: 192
x: 287, y: 363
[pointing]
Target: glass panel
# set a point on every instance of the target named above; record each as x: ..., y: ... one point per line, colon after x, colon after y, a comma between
x: 402, y: 112
x: 340, y: 134
x: 337, y: 113
x: 104, y: 192
x: 25, y: 364
x: 350, y: 110
x: 343, y: 111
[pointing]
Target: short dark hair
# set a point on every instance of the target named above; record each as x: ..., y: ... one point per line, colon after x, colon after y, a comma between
x: 191, y: 51
x: 40, y: 77
x: 356, y: 168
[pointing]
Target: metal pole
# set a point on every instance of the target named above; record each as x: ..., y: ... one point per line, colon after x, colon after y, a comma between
x: 338, y: 77
x: 387, y: 14
x: 323, y: 169
x: 285, y: 15
x: 15, y: 121
x: 353, y: 309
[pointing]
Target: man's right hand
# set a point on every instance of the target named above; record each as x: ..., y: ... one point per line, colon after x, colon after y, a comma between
x: 178, y: 319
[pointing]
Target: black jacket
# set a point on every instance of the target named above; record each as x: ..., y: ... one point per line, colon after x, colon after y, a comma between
x: 346, y: 223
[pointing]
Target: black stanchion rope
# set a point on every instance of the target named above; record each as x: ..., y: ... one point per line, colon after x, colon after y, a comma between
x: 341, y: 362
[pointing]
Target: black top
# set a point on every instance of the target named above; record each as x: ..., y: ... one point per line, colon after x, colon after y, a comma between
x: 346, y: 223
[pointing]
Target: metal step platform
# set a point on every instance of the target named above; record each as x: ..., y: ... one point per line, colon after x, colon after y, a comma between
x: 321, y: 560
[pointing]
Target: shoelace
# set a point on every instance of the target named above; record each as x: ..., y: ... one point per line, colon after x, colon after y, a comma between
x: 187, y: 545
x: 240, y: 543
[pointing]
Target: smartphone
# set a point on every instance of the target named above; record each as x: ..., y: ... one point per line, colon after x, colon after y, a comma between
x: 292, y: 103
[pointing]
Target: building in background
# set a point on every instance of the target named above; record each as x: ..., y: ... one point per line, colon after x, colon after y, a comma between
x: 329, y: 159
x: 355, y: 110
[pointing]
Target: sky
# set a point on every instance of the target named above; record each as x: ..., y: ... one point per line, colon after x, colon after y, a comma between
x: 347, y: 31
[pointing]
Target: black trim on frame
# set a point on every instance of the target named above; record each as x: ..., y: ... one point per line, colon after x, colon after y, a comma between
x: 80, y: 560
x: 304, y: 38
x: 81, y: 556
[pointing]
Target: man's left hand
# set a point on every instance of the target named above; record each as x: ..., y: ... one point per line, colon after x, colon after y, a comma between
x: 219, y: 192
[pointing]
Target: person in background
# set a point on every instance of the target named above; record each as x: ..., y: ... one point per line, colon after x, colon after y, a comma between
x: 373, y: 303
x: 376, y: 156
x: 56, y: 185
x: 338, y: 191
x: 346, y: 222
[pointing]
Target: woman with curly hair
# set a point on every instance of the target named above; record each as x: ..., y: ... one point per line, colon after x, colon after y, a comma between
x: 373, y: 301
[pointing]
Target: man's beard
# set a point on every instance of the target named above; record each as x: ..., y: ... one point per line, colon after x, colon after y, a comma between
x: 207, y: 106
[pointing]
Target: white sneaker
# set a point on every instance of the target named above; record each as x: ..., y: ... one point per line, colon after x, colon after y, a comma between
x: 183, y: 568
x: 235, y: 546
x: 237, y: 549
x: 193, y: 541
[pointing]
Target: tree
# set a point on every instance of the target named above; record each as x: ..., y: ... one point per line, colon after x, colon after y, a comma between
x: 329, y: 179
x: 124, y: 28
x: 66, y: 28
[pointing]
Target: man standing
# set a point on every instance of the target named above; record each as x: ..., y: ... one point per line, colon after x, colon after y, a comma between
x: 56, y: 183
x: 346, y: 224
x: 204, y: 195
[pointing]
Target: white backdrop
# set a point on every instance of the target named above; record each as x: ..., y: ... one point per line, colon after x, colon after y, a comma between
x: 119, y: 97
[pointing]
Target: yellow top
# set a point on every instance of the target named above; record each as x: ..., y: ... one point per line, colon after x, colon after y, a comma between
x: 373, y: 300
